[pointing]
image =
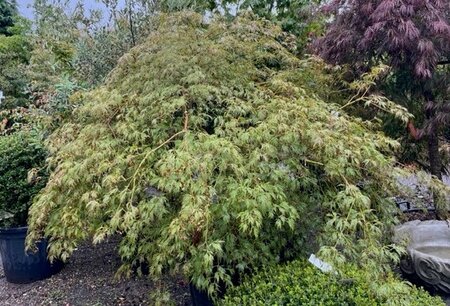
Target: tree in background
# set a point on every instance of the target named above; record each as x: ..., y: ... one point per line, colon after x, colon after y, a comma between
x: 74, y: 49
x: 86, y: 45
x: 68, y: 49
x: 8, y: 12
x: 14, y: 56
x: 101, y: 45
x: 298, y: 17
x: 413, y: 37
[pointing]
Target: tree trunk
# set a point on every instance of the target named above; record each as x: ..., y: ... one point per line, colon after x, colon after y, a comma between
x: 432, y: 137
x: 433, y: 153
x: 130, y: 20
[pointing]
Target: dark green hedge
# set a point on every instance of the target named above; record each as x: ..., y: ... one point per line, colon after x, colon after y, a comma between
x: 299, y: 283
x: 20, y: 153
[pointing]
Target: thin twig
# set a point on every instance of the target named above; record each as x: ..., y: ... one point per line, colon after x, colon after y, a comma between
x: 352, y: 99
x: 185, y: 128
x: 313, y: 162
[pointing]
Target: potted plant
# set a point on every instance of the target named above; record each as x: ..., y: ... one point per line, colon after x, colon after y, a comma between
x: 22, y: 175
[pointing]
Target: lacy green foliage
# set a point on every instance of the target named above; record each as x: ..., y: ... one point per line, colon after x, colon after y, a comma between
x: 360, y: 96
x: 299, y: 283
x: 208, y: 150
x: 22, y: 158
x: 363, y: 88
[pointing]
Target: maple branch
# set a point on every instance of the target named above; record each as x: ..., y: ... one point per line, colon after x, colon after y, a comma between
x: 415, y: 133
x: 184, y: 130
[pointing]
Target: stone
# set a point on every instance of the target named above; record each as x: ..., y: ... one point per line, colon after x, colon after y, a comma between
x: 4, y: 215
x: 428, y: 248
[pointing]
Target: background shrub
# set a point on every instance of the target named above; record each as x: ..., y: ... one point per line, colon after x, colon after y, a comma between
x: 20, y: 153
x: 299, y: 283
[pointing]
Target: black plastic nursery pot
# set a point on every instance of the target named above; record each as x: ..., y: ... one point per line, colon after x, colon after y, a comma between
x: 199, y: 298
x: 19, y: 266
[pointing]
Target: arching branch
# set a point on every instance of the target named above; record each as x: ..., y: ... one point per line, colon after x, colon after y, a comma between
x: 413, y: 131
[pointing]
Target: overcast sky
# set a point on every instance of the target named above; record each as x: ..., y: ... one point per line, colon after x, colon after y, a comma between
x: 25, y: 10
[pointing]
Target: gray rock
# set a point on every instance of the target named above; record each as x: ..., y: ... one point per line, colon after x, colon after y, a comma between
x: 428, y: 247
x: 151, y: 192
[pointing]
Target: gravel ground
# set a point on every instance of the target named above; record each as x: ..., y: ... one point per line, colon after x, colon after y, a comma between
x: 88, y: 280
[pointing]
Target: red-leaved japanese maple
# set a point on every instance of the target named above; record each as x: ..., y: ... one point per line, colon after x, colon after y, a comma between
x: 412, y: 36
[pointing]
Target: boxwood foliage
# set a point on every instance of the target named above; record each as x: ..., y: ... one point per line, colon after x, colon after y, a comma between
x: 21, y: 153
x: 209, y: 150
x: 299, y: 283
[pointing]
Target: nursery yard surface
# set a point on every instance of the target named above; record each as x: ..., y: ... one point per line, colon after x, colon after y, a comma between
x: 88, y: 280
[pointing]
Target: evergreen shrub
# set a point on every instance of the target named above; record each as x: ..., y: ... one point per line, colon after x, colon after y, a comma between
x: 22, y: 174
x: 300, y: 283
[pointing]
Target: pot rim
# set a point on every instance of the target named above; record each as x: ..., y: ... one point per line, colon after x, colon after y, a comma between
x: 13, y: 230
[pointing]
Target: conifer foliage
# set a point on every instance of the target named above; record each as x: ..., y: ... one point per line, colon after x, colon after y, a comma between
x: 208, y: 151
x: 8, y: 11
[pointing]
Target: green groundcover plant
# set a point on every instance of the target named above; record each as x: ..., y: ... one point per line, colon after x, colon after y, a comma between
x: 22, y: 175
x: 299, y: 283
x: 210, y: 151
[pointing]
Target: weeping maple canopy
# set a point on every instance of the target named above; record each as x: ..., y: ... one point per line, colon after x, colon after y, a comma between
x: 210, y: 152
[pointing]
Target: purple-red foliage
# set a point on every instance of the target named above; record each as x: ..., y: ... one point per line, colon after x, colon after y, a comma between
x: 406, y: 34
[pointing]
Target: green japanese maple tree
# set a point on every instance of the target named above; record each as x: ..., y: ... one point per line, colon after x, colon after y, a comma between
x: 209, y: 150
